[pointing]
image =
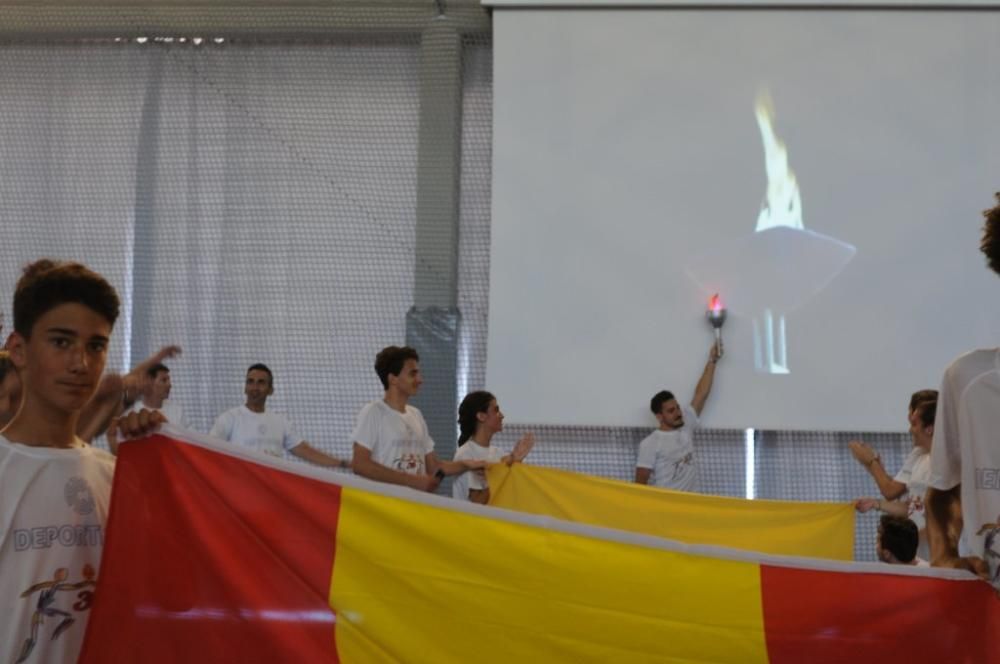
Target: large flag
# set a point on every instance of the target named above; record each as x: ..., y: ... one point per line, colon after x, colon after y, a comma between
x: 214, y: 554
x: 817, y: 530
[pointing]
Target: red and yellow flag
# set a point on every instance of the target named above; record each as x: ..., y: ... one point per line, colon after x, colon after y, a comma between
x: 816, y: 530
x: 215, y: 555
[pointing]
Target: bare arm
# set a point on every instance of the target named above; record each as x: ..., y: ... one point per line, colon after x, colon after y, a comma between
x: 940, y: 515
x: 165, y: 353
x: 306, y: 451
x: 893, y: 507
x: 98, y: 413
x: 642, y: 475
x: 434, y: 464
x: 106, y: 403
x: 364, y: 465
x: 704, y: 386
x: 867, y: 457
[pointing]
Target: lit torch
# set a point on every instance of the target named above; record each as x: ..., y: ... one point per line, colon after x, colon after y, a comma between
x: 716, y: 315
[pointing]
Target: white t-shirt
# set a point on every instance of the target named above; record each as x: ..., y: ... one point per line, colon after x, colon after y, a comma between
x: 267, y: 432
x: 53, y: 509
x: 397, y: 440
x: 473, y: 479
x: 916, y: 475
x: 914, y: 459
x: 670, y: 455
x: 966, y: 449
x: 170, y: 410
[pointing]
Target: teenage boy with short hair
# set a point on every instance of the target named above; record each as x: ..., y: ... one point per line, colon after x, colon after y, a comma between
x: 155, y: 395
x: 54, y: 488
x: 391, y: 441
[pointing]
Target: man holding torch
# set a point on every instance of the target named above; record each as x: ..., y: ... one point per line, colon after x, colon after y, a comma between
x: 667, y: 456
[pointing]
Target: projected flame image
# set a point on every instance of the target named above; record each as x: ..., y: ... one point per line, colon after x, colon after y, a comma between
x: 779, y: 267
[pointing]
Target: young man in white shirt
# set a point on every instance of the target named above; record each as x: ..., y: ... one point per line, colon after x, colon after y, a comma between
x: 918, y: 459
x: 965, y: 456
x: 156, y: 396
x: 904, y: 494
x: 55, y: 489
x: 667, y: 456
x: 253, y: 426
x: 391, y: 441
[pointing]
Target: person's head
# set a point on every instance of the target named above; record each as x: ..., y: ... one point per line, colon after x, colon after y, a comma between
x: 916, y: 399
x: 63, y: 317
x: 398, y: 367
x: 10, y: 389
x: 921, y: 395
x: 259, y: 385
x: 158, y: 387
x: 667, y: 411
x: 990, y: 245
x: 922, y: 423
x: 47, y: 284
x: 478, y: 409
x: 897, y: 540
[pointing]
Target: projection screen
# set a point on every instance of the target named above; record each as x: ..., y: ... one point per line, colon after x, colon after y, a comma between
x: 823, y: 170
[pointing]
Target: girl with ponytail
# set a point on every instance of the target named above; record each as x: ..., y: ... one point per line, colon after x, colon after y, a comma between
x: 479, y: 418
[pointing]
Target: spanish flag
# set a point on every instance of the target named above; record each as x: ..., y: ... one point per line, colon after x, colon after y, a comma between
x: 215, y: 554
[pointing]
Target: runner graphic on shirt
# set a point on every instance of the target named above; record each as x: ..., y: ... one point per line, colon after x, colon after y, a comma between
x: 409, y: 463
x: 46, y: 598
x: 991, y: 547
x: 681, y: 464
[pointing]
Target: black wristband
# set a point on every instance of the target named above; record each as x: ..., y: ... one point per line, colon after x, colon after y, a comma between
x: 439, y: 473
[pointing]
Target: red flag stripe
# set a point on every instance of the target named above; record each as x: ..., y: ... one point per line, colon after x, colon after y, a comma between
x: 821, y: 616
x: 231, y: 558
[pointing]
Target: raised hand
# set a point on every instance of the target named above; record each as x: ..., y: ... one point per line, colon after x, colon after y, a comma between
x: 522, y: 448
x: 715, y: 352
x: 138, y: 378
x: 863, y: 452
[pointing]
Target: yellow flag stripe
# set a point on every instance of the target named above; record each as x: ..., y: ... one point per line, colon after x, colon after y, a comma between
x: 418, y: 582
x: 818, y: 530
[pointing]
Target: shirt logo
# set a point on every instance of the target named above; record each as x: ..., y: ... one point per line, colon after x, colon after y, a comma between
x: 78, y: 496
x: 681, y: 464
x: 988, y: 479
x: 409, y: 463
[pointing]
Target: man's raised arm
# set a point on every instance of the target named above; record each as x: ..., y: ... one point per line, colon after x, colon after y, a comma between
x: 704, y: 387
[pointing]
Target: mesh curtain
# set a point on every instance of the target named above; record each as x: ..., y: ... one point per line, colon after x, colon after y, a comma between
x: 251, y: 202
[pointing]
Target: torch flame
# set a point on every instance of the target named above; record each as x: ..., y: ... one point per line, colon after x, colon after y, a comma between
x: 783, y: 206
x: 715, y: 303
